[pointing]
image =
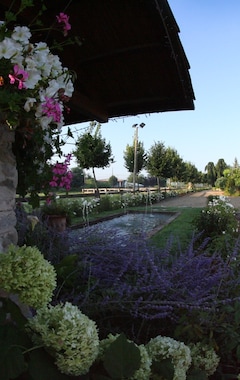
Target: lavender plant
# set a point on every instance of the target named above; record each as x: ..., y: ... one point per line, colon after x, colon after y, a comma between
x: 124, y: 284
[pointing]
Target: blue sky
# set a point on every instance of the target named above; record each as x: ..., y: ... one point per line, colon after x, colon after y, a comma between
x: 210, y: 35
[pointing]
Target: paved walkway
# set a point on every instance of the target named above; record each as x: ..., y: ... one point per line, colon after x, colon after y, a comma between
x: 198, y: 199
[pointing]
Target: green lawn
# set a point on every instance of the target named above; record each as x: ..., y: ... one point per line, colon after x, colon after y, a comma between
x: 181, y: 229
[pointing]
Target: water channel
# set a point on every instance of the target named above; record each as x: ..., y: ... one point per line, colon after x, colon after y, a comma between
x: 130, y: 224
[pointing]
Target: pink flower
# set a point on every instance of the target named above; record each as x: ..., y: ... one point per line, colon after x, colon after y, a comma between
x: 63, y: 18
x: 19, y: 75
x: 62, y: 176
x: 51, y: 108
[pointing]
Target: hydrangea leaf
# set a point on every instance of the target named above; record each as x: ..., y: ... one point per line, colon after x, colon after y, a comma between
x: 12, y: 361
x: 122, y: 358
x: 41, y: 366
x: 164, y: 368
x: 197, y: 374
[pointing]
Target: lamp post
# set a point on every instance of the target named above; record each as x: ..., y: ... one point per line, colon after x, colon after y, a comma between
x: 136, y: 126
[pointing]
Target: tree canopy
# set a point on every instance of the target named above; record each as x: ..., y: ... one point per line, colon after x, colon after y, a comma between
x: 92, y: 151
x: 128, y: 157
x: 164, y: 162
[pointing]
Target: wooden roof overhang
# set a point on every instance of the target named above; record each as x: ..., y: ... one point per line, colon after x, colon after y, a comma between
x: 131, y: 60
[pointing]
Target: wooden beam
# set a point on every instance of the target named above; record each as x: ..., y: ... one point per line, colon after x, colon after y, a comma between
x: 83, y: 105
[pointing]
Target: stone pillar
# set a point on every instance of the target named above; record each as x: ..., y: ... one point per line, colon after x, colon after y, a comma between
x: 8, y: 183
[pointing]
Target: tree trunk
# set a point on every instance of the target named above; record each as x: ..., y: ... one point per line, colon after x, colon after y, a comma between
x: 8, y: 184
x: 96, y: 185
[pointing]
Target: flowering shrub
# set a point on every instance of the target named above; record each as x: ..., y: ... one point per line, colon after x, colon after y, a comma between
x: 134, y: 281
x: 204, y: 357
x: 217, y: 222
x: 162, y: 347
x: 217, y: 218
x: 34, y: 91
x: 141, y: 199
x: 144, y: 370
x: 69, y: 335
x: 24, y: 271
x: 62, y: 176
x: 34, y: 84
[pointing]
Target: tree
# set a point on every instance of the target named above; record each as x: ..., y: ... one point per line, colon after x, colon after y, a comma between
x: 77, y: 178
x: 128, y: 156
x: 236, y: 164
x: 92, y: 151
x: 191, y: 174
x: 211, y: 173
x: 220, y: 167
x: 163, y: 162
x: 113, y: 181
x: 175, y: 166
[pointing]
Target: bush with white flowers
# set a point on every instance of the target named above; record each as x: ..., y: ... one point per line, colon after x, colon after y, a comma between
x: 25, y: 272
x: 204, y: 357
x: 144, y: 371
x: 162, y: 347
x: 68, y: 335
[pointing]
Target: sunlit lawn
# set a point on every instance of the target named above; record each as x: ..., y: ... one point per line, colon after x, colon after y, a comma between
x: 181, y: 229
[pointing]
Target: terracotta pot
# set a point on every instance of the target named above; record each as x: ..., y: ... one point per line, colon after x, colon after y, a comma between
x: 57, y: 222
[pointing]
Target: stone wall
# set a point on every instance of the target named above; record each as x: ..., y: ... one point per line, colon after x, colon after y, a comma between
x: 8, y: 183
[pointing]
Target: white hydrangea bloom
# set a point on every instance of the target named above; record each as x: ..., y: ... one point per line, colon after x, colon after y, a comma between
x: 162, y: 347
x: 69, y: 335
x: 24, y: 271
x: 204, y: 357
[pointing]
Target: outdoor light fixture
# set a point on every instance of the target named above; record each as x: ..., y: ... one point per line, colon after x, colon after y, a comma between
x: 135, y: 153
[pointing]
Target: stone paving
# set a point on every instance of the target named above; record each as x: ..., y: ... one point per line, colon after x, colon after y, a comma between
x: 198, y: 199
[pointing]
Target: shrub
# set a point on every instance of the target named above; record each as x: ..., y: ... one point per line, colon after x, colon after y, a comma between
x: 124, y: 284
x: 217, y: 218
x: 69, y: 335
x: 33, y: 230
x: 25, y: 272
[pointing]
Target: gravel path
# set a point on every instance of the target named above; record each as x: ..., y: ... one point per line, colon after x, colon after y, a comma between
x: 198, y: 199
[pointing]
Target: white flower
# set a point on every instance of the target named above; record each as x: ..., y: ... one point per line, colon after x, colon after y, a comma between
x: 29, y: 104
x: 204, y: 357
x: 8, y: 48
x: 21, y: 34
x: 162, y: 347
x: 33, y: 78
x: 69, y: 335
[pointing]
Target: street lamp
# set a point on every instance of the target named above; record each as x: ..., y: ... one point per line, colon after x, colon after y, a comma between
x: 136, y: 126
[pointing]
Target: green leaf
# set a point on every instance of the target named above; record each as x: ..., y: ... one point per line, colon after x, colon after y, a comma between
x: 12, y: 364
x: 238, y: 352
x: 12, y: 345
x: 163, y: 368
x: 69, y: 132
x: 122, y: 358
x: 15, y: 312
x: 197, y: 374
x: 10, y: 16
x: 41, y: 366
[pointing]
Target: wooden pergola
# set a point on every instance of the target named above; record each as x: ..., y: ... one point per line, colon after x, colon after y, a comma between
x: 130, y: 61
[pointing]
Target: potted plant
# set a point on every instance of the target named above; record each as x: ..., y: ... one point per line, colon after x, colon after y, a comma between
x: 57, y: 214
